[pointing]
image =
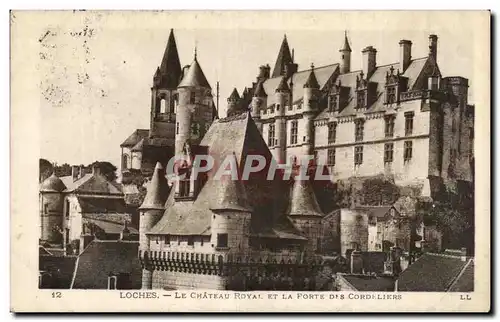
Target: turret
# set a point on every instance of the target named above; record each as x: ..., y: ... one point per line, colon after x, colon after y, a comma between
x: 51, y: 209
x: 194, y: 97
x: 311, y: 91
x: 151, y: 211
x: 259, y: 102
x: 284, y: 58
x: 234, y: 103
x: 282, y: 100
x: 232, y: 214
x: 345, y: 56
x: 305, y: 211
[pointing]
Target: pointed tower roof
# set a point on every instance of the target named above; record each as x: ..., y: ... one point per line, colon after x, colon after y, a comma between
x: 284, y: 58
x: 303, y: 201
x: 283, y: 85
x: 157, y: 191
x: 231, y: 195
x: 259, y: 90
x: 346, y: 44
x: 234, y: 95
x: 194, y: 76
x: 312, y: 81
x: 170, y: 67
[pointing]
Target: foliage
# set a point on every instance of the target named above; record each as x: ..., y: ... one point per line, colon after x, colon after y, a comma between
x: 379, y: 191
x: 107, y: 169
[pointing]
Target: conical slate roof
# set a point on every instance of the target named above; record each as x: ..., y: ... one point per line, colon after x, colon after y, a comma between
x: 259, y: 90
x: 346, y: 44
x: 231, y: 195
x: 194, y: 77
x: 157, y: 191
x: 303, y: 201
x: 283, y: 85
x: 312, y: 81
x: 170, y: 67
x: 234, y: 95
x: 52, y: 184
x: 284, y: 58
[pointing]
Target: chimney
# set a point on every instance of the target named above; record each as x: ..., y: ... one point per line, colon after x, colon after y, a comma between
x: 96, y: 169
x: 433, y: 42
x: 264, y: 72
x: 75, y: 172
x: 369, y: 61
x: 356, y: 262
x: 404, y: 54
x: 463, y: 254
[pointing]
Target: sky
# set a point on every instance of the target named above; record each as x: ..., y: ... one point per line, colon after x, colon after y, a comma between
x: 96, y: 70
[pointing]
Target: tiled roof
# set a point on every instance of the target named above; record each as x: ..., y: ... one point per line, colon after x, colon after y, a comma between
x: 138, y: 146
x: 135, y: 137
x: 367, y: 283
x: 431, y: 273
x: 230, y: 195
x: 157, y: 190
x: 194, y: 77
x: 102, y: 205
x: 92, y: 184
x: 283, y: 85
x: 234, y: 94
x: 373, y: 262
x: 102, y: 258
x: 259, y: 90
x: 312, y: 81
x: 52, y: 184
x: 346, y: 47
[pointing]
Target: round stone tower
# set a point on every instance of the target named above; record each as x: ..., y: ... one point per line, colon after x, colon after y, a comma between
x: 51, y: 209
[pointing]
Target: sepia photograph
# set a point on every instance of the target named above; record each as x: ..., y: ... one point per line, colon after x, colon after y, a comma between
x: 181, y: 160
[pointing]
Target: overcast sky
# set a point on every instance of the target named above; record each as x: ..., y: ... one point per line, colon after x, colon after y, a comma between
x: 95, y: 82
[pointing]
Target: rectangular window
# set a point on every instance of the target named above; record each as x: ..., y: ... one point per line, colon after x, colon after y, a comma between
x: 360, y: 99
x: 358, y: 155
x: 293, y: 132
x: 192, y: 98
x: 190, y: 240
x: 167, y: 239
x: 222, y: 240
x: 333, y: 104
x: 389, y: 126
x: 318, y: 245
x: 112, y: 282
x: 331, y: 157
x: 391, y: 95
x: 359, y: 129
x: 388, y: 152
x: 184, y: 185
x: 67, y: 209
x: 408, y: 150
x: 177, y: 128
x: 332, y: 132
x: 409, y: 123
x: 46, y: 208
x: 270, y: 138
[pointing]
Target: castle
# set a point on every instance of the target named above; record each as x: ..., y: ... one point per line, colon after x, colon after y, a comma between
x: 403, y: 120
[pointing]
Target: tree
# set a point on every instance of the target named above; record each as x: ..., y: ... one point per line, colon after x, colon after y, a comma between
x: 107, y: 169
x: 46, y: 170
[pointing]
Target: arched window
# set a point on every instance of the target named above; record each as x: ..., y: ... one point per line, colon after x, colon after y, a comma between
x: 163, y: 107
x: 125, y: 161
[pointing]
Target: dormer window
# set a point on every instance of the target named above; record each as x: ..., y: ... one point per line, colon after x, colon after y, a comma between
x: 360, y: 100
x: 333, y: 103
x: 391, y: 94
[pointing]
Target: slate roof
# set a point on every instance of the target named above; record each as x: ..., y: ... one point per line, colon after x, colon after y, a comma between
x: 303, y: 200
x: 194, y: 77
x: 259, y: 90
x: 413, y: 73
x: 346, y: 47
x: 110, y: 227
x: 102, y: 257
x: 323, y: 74
x: 135, y: 137
x: 367, y: 283
x: 283, y: 59
x: 60, y: 269
x: 92, y: 184
x: 232, y: 136
x: 157, y: 190
x: 102, y: 205
x: 52, y: 184
x: 170, y: 67
x: 433, y: 273
x: 138, y: 146
x: 312, y: 81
